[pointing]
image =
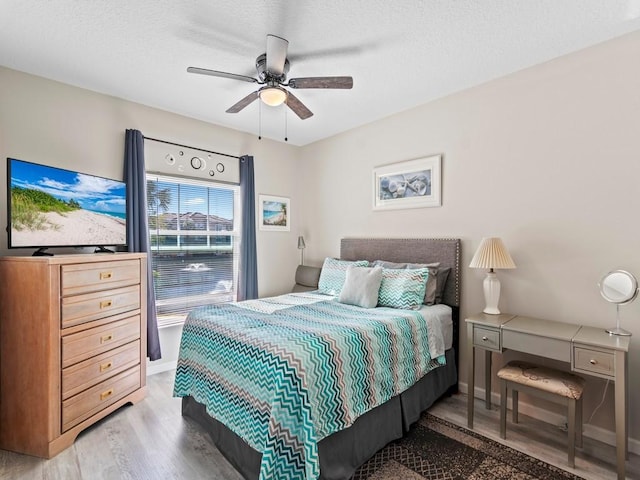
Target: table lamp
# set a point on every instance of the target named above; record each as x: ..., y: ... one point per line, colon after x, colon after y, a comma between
x: 491, y: 254
x: 301, y: 247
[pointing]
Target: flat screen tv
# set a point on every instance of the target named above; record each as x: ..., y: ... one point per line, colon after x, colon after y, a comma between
x: 53, y: 207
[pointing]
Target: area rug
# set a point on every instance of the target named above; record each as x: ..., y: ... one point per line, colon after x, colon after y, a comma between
x: 435, y: 449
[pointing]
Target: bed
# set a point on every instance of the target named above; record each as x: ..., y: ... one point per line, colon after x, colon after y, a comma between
x: 298, y: 444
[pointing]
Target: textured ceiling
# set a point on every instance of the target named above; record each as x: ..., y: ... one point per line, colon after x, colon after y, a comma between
x: 400, y: 53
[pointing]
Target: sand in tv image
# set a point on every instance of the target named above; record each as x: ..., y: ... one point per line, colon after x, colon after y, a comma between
x: 55, y: 207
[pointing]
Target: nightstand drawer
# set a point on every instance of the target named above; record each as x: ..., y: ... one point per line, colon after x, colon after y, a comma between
x: 487, y: 338
x: 593, y: 361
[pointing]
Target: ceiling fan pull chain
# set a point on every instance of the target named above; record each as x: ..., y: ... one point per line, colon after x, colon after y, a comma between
x: 285, y: 124
x: 260, y: 121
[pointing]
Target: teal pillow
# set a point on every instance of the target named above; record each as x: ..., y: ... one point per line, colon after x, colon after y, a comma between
x: 403, y: 288
x: 333, y: 274
x: 430, y: 293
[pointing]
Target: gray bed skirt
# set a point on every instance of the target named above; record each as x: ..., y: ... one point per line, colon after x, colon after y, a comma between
x: 343, y: 452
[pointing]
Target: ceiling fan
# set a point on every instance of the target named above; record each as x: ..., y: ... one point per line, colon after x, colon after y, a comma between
x: 272, y: 68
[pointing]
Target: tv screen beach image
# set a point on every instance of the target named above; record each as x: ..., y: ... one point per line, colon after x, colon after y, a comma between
x: 54, y: 207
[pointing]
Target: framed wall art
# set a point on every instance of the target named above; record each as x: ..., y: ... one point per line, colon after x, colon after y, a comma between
x: 274, y: 213
x: 410, y: 184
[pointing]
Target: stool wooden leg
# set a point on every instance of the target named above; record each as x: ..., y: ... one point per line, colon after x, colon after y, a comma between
x: 514, y: 404
x: 503, y: 408
x: 572, y: 431
x: 579, y: 423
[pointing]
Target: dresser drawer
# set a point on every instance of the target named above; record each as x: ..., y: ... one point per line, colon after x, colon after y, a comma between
x: 93, y: 277
x: 92, y: 306
x: 83, y: 375
x: 94, y: 341
x: 593, y: 361
x: 80, y: 407
x: 487, y: 338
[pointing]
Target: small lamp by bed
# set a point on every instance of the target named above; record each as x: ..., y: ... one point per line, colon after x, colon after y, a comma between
x: 491, y: 254
x: 301, y: 247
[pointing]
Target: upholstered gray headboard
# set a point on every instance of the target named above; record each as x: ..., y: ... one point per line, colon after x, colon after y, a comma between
x: 413, y: 250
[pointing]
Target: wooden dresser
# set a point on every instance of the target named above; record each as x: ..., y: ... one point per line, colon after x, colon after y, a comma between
x: 72, y: 345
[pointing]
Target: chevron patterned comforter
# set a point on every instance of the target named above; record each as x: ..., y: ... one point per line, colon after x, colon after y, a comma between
x: 285, y: 372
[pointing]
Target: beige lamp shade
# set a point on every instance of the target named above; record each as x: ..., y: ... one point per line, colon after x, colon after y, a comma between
x: 492, y: 254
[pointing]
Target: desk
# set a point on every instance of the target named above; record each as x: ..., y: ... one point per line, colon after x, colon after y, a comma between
x: 589, y: 350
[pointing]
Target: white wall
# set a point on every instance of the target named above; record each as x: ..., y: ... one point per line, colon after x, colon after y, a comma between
x: 547, y: 158
x: 48, y: 122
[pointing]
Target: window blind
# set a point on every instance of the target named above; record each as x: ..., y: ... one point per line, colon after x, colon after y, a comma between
x: 194, y: 234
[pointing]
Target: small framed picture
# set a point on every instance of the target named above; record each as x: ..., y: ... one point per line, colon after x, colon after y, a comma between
x: 410, y: 184
x: 274, y: 213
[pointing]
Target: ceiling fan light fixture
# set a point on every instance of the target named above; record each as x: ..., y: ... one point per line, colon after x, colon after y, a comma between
x: 273, y: 96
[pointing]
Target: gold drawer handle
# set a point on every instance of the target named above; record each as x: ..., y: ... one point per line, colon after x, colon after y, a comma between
x: 593, y: 361
x: 106, y: 366
x: 105, y: 275
x: 106, y: 338
x: 106, y: 394
x: 106, y: 303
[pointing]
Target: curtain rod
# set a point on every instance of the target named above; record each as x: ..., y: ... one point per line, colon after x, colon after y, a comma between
x: 193, y: 148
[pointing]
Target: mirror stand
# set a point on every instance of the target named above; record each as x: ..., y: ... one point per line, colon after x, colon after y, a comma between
x: 619, y: 287
x: 618, y: 330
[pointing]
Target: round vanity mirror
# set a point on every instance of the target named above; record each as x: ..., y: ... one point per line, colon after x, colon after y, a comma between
x: 619, y: 287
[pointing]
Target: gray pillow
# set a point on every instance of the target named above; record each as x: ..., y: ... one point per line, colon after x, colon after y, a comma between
x: 431, y: 290
x: 361, y: 286
x: 443, y: 275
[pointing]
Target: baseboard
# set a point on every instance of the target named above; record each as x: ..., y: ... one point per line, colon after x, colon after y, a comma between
x: 591, y: 431
x: 161, y: 367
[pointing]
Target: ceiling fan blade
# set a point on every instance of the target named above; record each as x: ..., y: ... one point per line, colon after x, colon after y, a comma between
x: 215, y: 73
x: 276, y: 54
x: 321, y: 82
x: 297, y: 106
x: 243, y: 103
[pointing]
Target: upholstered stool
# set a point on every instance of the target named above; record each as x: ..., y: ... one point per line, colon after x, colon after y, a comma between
x: 555, y: 385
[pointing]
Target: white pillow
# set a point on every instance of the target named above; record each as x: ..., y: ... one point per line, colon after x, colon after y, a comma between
x: 361, y: 286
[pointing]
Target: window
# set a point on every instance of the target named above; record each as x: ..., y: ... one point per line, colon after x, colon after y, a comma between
x: 194, y: 233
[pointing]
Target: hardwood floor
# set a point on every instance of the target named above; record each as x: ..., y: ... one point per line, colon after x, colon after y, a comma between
x: 151, y: 440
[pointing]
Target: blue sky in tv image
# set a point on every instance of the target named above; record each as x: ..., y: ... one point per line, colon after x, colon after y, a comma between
x: 93, y: 193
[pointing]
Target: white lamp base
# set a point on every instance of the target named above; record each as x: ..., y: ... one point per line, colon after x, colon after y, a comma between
x: 491, y: 287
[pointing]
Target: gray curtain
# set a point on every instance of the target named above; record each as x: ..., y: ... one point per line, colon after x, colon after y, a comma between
x: 248, y: 275
x: 138, y: 226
